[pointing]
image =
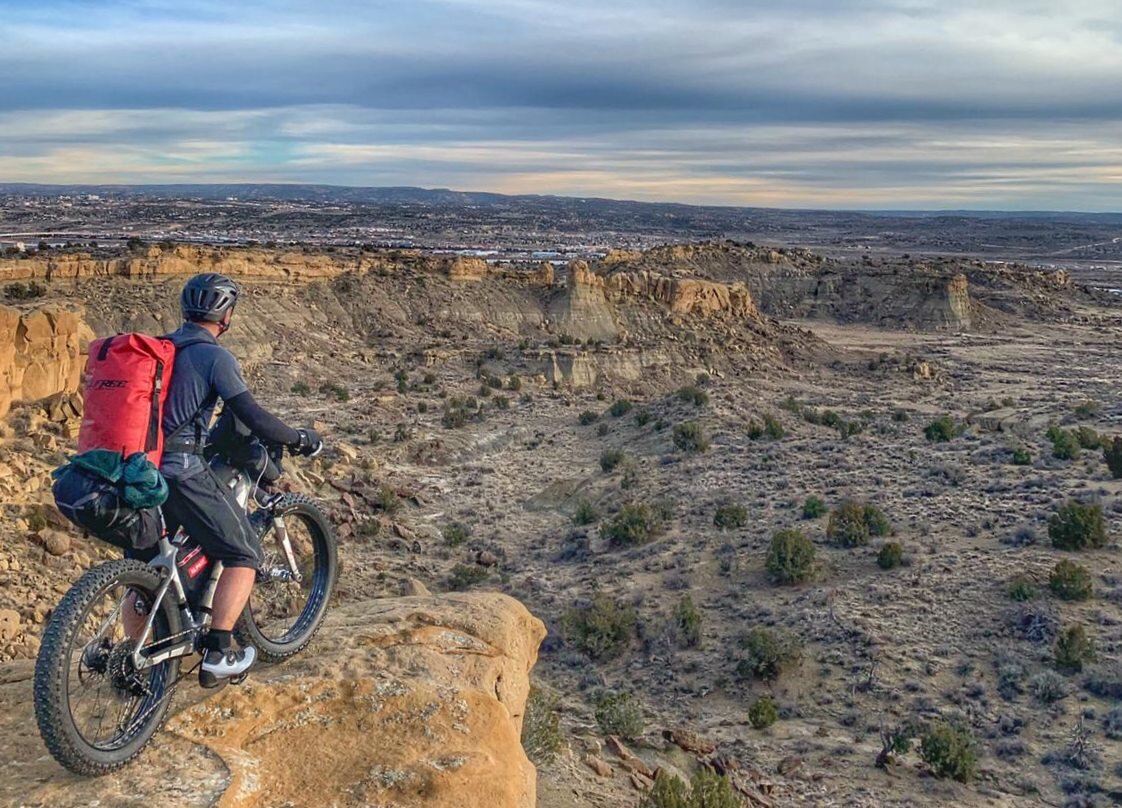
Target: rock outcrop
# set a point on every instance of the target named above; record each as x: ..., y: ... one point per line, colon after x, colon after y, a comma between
x: 41, y: 353
x: 404, y: 702
x: 685, y: 296
x: 582, y: 312
x: 468, y: 269
x: 183, y: 260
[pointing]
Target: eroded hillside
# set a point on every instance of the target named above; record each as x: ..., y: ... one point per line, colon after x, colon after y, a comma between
x: 616, y: 446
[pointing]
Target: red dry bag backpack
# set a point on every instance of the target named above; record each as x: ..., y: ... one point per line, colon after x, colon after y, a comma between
x: 127, y: 380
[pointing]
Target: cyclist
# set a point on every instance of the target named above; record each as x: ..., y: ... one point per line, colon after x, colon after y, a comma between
x: 204, y: 373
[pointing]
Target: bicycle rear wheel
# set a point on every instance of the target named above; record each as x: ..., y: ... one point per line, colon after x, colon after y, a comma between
x: 95, y: 711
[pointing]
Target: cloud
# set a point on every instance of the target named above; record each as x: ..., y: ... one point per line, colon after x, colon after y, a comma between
x: 893, y: 102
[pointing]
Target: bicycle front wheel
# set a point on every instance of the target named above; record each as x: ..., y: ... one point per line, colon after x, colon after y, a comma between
x: 283, y: 614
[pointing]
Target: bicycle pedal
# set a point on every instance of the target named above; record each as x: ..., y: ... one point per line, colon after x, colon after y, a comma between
x: 237, y: 680
x: 208, y: 681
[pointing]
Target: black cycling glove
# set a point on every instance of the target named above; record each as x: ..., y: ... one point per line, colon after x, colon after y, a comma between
x: 310, y: 443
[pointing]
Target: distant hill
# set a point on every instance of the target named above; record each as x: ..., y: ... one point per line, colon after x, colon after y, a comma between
x: 444, y: 197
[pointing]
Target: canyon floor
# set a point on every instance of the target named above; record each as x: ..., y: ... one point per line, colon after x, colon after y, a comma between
x: 424, y: 487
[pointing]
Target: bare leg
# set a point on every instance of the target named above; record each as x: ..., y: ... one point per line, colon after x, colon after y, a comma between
x: 231, y: 596
x: 132, y: 621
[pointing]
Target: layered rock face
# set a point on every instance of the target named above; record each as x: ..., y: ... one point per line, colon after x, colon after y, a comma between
x: 180, y: 260
x: 686, y: 296
x: 586, y: 311
x: 405, y: 702
x: 41, y: 353
x: 583, y: 311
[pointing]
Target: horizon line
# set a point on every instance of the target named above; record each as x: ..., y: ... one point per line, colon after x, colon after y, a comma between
x: 297, y: 184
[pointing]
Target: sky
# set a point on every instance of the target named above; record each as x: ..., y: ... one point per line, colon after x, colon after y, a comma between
x: 897, y: 104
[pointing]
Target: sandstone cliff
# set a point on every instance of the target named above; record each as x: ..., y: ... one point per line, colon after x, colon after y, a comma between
x: 41, y: 353
x: 183, y: 260
x: 582, y: 310
x: 404, y: 702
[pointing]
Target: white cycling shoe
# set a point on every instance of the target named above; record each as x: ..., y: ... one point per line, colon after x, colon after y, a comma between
x: 220, y: 666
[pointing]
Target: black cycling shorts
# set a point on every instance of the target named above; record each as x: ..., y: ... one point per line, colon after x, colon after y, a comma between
x: 207, y: 510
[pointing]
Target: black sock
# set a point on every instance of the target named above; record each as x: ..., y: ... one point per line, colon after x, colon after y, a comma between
x: 219, y: 640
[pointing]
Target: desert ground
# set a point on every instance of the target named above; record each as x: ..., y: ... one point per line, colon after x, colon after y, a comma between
x: 619, y: 458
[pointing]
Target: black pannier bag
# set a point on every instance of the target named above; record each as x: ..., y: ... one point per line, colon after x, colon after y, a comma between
x: 118, y: 505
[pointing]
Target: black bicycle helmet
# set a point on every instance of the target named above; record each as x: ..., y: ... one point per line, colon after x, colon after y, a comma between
x: 208, y: 297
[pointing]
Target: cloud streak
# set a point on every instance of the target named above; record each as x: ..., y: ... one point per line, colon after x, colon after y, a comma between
x: 895, y: 103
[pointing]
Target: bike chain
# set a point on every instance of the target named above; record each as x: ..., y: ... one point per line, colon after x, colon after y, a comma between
x: 140, y: 720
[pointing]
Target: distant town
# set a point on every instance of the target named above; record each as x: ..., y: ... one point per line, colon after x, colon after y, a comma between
x: 519, y: 228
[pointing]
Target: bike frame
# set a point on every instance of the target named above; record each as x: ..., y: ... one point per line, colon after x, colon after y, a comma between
x: 165, y: 561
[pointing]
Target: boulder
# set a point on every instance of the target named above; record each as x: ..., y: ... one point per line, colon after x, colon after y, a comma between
x: 406, y: 702
x: 9, y: 624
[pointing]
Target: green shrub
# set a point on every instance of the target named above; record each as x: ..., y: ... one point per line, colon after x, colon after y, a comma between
x: 767, y: 654
x: 541, y: 727
x: 24, y: 291
x: 465, y: 576
x: 1112, y: 454
x: 458, y: 411
x: 1022, y: 457
x: 790, y: 557
x: 337, y: 391
x: 1073, y: 649
x: 301, y: 389
x: 1070, y: 581
x: 599, y: 628
x: 36, y: 519
x: 610, y: 458
x: 755, y: 430
x: 1077, y: 526
x: 620, y: 408
x: 730, y: 515
x: 1088, y: 409
x: 635, y: 524
x: 891, y: 556
x: 900, y: 416
x: 847, y: 526
x: 585, y: 514
x: 643, y: 417
x: 387, y: 500
x: 814, y: 508
x: 876, y: 521
x: 763, y: 712
x: 1065, y: 446
x: 588, y: 417
x: 693, y: 395
x: 949, y: 750
x: 455, y: 534
x: 707, y: 789
x: 690, y: 437
x: 942, y: 430
x: 1088, y: 438
x: 1022, y: 588
x: 1048, y: 687
x: 620, y: 714
x: 687, y: 622
x: 773, y: 429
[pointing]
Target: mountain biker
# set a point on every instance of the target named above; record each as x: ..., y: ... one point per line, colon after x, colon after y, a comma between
x: 204, y: 372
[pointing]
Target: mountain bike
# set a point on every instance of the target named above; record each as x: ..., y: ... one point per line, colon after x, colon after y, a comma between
x: 101, y: 694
